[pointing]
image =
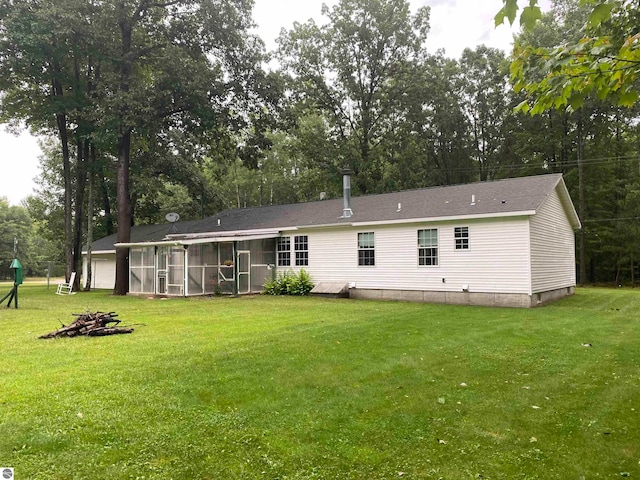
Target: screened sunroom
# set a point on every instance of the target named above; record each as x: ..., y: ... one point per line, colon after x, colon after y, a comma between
x: 201, y: 266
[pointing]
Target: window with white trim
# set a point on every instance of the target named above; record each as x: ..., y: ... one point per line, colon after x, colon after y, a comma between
x: 461, y: 235
x: 283, y: 247
x: 428, y: 247
x: 301, y: 247
x: 366, y: 249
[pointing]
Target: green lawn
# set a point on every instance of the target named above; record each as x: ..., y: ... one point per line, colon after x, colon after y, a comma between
x: 305, y: 388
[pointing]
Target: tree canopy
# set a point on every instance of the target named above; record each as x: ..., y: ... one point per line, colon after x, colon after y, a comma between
x: 603, y: 62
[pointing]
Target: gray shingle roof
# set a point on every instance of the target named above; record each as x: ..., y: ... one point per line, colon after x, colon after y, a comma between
x: 500, y: 197
x: 144, y: 233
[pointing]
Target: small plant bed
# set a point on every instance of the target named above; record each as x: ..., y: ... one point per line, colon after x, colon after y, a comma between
x: 289, y: 283
x: 95, y: 324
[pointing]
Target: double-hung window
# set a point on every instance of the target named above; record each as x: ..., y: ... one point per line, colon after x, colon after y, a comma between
x: 301, y: 247
x: 283, y: 247
x: 428, y: 247
x: 366, y: 249
x: 461, y: 235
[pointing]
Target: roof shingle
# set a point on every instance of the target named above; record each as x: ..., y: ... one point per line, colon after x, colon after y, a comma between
x: 500, y: 197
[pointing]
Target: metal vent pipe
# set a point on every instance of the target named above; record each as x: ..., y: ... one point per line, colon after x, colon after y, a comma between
x: 346, y: 193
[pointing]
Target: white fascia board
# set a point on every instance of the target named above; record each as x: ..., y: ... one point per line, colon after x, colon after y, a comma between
x: 200, y: 240
x: 233, y: 233
x: 567, y: 203
x: 98, y: 252
x: 452, y: 218
x: 148, y: 244
x: 238, y: 238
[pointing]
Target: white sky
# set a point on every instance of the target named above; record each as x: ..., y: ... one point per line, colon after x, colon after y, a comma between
x: 455, y: 25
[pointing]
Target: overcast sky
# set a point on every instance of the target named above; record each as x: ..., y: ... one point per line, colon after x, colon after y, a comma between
x: 455, y: 25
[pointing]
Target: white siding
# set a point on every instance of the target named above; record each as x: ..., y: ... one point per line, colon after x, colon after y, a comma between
x: 103, y: 270
x: 553, y: 262
x: 496, y: 262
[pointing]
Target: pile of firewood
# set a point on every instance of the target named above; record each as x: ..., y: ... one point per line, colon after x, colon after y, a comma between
x: 95, y: 324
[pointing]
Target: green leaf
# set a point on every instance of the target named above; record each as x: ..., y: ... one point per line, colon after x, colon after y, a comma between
x: 628, y: 99
x: 576, y: 101
x: 529, y: 17
x: 509, y: 10
x: 523, y: 107
x: 599, y: 49
x: 599, y: 14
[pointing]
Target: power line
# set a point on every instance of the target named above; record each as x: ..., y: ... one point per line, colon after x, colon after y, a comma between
x: 547, y: 164
x: 609, y: 219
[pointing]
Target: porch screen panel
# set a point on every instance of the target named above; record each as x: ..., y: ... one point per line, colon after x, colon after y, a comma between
x: 162, y: 258
x: 226, y: 253
x: 244, y: 272
x: 195, y: 272
x: 211, y: 279
x: 209, y: 268
x: 195, y: 255
x: 226, y: 277
x: 210, y: 254
x: 195, y: 280
x: 142, y: 270
x: 259, y: 275
x: 263, y: 259
x: 175, y: 271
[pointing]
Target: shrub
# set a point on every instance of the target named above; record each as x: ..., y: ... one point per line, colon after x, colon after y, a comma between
x: 289, y: 283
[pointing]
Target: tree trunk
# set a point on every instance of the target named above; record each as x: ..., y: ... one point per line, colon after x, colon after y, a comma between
x: 92, y: 163
x: 124, y: 149
x: 124, y: 215
x: 106, y: 202
x: 582, y: 280
x: 61, y: 120
x: 81, y: 181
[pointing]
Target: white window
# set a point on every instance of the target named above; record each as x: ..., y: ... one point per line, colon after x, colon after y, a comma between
x: 428, y: 247
x: 366, y: 249
x: 284, y: 251
x: 301, y: 247
x: 461, y: 235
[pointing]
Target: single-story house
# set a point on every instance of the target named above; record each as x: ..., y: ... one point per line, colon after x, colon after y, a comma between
x: 506, y: 242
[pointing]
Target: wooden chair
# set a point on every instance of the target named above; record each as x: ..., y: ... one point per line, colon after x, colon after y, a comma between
x: 67, y: 288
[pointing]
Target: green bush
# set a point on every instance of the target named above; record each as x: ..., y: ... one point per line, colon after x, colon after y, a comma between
x: 289, y: 283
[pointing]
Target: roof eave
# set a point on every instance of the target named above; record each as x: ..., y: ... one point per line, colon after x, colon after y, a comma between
x: 453, y: 218
x: 567, y: 203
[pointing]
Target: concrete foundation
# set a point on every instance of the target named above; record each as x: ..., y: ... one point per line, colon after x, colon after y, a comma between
x: 513, y: 300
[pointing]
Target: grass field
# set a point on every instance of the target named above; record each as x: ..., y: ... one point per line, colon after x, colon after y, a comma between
x: 306, y: 388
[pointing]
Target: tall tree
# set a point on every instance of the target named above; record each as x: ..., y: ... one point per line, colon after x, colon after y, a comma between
x: 43, y: 72
x: 169, y: 65
x: 429, y: 144
x: 486, y: 92
x: 350, y: 68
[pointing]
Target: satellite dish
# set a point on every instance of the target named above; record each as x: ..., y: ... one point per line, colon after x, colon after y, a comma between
x: 172, y: 217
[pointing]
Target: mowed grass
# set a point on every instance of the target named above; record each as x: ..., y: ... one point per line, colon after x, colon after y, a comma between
x: 308, y: 388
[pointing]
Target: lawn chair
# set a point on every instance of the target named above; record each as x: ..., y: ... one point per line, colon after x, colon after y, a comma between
x: 67, y: 288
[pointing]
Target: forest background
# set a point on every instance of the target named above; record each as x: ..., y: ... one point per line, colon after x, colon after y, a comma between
x: 153, y: 107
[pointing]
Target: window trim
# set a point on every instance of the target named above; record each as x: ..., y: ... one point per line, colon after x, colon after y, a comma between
x: 461, y: 238
x: 301, y: 254
x: 283, y: 255
x: 363, y: 251
x: 435, y: 247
